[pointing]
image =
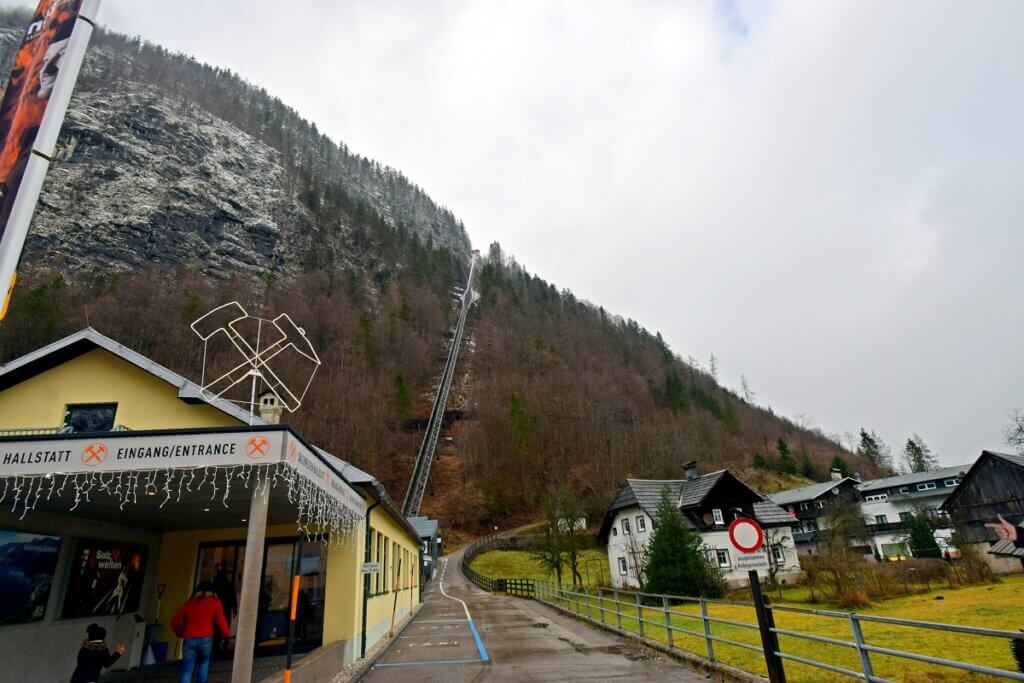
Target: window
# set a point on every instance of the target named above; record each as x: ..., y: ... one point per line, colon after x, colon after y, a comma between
x: 877, y: 498
x: 622, y: 566
x: 641, y: 523
x: 722, y: 556
x: 907, y: 517
x: 378, y: 546
x: 805, y: 506
x: 778, y: 552
x: 904, y: 489
x: 625, y: 527
x: 90, y: 417
x: 881, y: 519
x: 719, y: 519
x: 950, y: 483
x: 615, y: 531
x: 927, y: 486
x: 820, y: 504
x: 384, y: 568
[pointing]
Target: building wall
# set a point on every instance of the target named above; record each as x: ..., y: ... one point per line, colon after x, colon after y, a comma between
x: 394, y: 600
x: 344, y: 600
x: 143, y: 400
x: 631, y: 547
x: 789, y: 567
x: 45, y: 651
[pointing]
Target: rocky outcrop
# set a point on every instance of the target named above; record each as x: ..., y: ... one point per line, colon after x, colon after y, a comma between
x: 145, y: 176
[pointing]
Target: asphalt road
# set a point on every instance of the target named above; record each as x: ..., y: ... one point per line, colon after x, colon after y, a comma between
x: 465, y: 634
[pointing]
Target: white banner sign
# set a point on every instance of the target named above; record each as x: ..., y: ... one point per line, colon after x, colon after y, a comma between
x: 755, y: 561
x: 104, y: 453
x: 314, y: 469
x: 127, y: 452
x: 369, y: 567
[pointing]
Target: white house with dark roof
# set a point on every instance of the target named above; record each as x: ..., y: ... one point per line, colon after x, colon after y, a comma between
x: 709, y: 503
x: 888, y: 504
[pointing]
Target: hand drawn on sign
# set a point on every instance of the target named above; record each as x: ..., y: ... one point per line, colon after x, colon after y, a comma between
x: 274, y: 352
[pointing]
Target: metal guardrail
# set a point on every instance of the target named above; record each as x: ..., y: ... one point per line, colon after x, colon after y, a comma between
x: 636, y: 613
x: 45, y: 431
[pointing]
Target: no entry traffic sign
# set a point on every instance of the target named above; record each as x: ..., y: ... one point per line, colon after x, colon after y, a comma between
x: 746, y: 535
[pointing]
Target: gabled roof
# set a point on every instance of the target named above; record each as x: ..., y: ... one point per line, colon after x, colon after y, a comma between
x: 84, y: 341
x: 424, y: 526
x: 687, y: 493
x: 1015, y: 460
x: 806, y: 493
x: 914, y: 478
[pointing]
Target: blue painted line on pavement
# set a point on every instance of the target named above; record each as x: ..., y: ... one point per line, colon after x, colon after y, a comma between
x: 479, y: 643
x: 442, y: 661
x: 439, y: 634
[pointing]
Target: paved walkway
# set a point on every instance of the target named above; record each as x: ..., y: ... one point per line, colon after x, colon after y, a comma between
x: 465, y: 634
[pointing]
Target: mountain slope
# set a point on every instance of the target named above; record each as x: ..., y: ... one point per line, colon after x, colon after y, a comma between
x: 179, y: 187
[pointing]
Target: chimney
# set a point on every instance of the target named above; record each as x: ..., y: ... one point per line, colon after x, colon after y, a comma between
x: 836, y: 474
x: 690, y: 470
x: 269, y: 407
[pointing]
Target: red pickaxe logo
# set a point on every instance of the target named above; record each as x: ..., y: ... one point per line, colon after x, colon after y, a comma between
x: 256, y: 447
x: 293, y: 452
x: 94, y: 454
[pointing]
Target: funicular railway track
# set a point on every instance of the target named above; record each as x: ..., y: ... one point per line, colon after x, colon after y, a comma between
x: 425, y: 455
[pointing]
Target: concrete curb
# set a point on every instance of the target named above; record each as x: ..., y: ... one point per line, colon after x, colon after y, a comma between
x: 715, y: 671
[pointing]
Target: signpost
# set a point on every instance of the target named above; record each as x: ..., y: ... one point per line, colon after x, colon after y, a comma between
x: 747, y: 537
x: 369, y: 567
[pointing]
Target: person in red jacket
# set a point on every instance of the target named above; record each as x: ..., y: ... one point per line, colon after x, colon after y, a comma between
x: 195, y: 622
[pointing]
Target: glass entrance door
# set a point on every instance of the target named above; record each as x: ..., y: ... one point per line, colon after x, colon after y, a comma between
x: 222, y: 564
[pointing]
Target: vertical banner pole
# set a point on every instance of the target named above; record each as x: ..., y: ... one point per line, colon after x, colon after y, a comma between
x: 296, y: 565
x: 42, y: 80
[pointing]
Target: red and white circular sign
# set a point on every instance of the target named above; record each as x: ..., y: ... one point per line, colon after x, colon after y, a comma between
x: 746, y: 535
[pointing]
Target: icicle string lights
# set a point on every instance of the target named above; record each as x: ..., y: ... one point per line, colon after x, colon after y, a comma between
x: 319, y: 515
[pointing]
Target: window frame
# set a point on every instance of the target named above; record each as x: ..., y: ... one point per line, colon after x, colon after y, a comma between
x: 68, y: 407
x: 718, y: 558
x: 623, y: 567
x: 641, y: 524
x: 927, y: 486
x: 779, y: 552
x: 719, y: 518
x: 624, y: 523
x: 881, y: 519
x: 950, y: 483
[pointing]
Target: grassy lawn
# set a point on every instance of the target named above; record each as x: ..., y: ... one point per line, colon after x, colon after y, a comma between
x: 999, y: 606
x: 508, y: 564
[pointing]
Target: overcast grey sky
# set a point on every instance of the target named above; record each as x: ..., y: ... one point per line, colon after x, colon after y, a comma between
x: 825, y: 195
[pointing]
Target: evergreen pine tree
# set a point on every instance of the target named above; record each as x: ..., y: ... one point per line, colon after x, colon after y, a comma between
x: 840, y: 465
x: 402, y: 400
x: 676, y: 562
x: 922, y: 538
x: 917, y: 457
x: 806, y: 468
x: 787, y: 463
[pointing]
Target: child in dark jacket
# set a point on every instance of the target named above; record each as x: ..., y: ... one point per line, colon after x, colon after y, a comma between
x: 94, y: 655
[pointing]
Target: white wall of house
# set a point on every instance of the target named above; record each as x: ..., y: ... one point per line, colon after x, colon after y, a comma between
x: 627, y: 546
x: 881, y: 508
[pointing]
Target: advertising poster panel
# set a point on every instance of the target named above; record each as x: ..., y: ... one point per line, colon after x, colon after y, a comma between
x: 106, y: 578
x: 27, y: 564
x: 33, y: 76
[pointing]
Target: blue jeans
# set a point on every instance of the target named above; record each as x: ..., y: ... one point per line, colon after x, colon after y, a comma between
x: 196, y: 656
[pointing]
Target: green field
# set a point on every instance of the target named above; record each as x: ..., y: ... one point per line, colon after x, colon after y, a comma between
x: 998, y: 606
x: 517, y: 564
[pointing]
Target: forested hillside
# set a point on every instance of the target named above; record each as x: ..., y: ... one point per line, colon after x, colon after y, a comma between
x: 180, y: 187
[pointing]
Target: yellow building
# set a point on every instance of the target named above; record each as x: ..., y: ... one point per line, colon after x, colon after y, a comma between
x: 123, y: 487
